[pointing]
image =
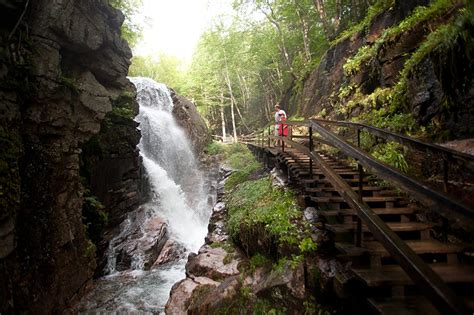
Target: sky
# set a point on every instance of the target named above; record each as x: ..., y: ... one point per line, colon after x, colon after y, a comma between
x: 174, y: 26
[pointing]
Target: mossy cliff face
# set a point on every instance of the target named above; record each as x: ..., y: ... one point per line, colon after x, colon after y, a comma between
x: 409, y: 68
x: 63, y: 67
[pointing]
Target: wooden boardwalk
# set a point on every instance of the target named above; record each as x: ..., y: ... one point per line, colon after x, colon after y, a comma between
x: 377, y: 277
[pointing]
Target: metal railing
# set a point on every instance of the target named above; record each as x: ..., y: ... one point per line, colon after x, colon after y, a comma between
x: 420, y: 272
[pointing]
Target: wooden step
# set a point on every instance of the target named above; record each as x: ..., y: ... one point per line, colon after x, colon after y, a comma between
x: 378, y: 211
x: 300, y: 167
x: 394, y: 274
x: 332, y: 189
x: 419, y: 247
x: 340, y: 171
x: 365, y: 199
x: 402, y: 305
x: 325, y: 181
x: 395, y: 226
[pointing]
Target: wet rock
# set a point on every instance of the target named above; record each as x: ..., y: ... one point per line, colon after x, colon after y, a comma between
x: 279, y: 179
x: 143, y: 246
x: 171, y: 251
x: 214, y: 263
x: 215, y: 299
x: 217, y: 232
x: 188, y: 117
x: 290, y: 279
x: 225, y: 171
x: 179, y: 297
x: 310, y: 214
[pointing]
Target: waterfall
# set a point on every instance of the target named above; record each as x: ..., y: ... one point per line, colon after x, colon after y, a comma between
x: 176, y: 182
x: 179, y: 196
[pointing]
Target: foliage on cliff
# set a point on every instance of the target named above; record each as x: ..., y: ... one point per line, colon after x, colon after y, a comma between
x: 445, y: 30
x: 263, y: 219
x: 131, y: 29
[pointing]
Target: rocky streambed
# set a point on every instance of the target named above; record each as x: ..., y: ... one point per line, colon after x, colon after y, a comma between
x: 221, y: 279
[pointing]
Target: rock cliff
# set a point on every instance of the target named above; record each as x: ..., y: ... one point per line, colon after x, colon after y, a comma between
x: 188, y: 118
x: 411, y: 62
x: 63, y: 68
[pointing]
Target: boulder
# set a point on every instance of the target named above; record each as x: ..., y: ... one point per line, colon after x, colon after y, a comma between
x: 191, y: 121
x: 290, y: 279
x: 213, y: 263
x: 171, y: 251
x: 179, y: 297
x: 143, y: 246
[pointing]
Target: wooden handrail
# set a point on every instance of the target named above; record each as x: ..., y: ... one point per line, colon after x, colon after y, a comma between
x: 402, y: 139
x: 435, y: 200
x: 420, y: 272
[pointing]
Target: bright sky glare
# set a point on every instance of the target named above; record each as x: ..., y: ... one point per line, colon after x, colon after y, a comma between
x: 174, y: 26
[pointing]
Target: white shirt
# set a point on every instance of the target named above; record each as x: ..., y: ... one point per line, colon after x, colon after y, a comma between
x: 278, y: 115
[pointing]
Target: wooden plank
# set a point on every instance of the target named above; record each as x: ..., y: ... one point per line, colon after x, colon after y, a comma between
x: 394, y: 226
x: 332, y: 189
x: 402, y: 306
x: 365, y: 199
x: 394, y: 275
x: 378, y: 211
x: 419, y: 247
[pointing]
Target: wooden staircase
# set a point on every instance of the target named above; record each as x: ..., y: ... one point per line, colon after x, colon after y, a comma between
x: 376, y: 276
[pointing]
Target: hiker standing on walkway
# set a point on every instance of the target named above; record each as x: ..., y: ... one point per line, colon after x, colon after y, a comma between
x: 280, y: 116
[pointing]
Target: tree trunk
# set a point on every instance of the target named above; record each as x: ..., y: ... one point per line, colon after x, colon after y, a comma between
x: 271, y: 18
x: 232, y: 114
x: 224, y: 135
x: 304, y: 31
x: 323, y: 17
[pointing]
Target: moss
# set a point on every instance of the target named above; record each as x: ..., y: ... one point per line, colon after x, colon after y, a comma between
x: 421, y: 14
x: 199, y: 294
x: 374, y: 10
x: 228, y: 258
x: 445, y: 38
x: 90, y: 249
x: 93, y: 216
x: 70, y: 83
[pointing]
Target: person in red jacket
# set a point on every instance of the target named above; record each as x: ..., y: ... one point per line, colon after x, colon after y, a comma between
x: 281, y: 129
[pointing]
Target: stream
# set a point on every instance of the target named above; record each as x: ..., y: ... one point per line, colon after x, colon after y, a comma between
x: 179, y: 197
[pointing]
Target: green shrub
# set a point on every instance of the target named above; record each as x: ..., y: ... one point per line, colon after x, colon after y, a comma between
x: 392, y: 154
x: 257, y: 203
x: 214, y: 148
x: 243, y: 162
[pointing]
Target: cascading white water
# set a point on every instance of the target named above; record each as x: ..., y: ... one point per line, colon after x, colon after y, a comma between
x: 171, y: 166
x: 179, y: 196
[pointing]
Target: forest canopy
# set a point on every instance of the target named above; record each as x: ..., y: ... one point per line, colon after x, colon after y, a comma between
x: 265, y: 50
x: 244, y: 64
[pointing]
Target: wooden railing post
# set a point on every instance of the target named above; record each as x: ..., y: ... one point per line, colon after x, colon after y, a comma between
x: 358, y: 241
x: 311, y: 150
x: 446, y: 189
x: 269, y: 134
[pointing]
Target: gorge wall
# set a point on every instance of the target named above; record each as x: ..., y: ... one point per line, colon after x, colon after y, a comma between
x: 405, y: 67
x: 191, y: 121
x: 63, y: 68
